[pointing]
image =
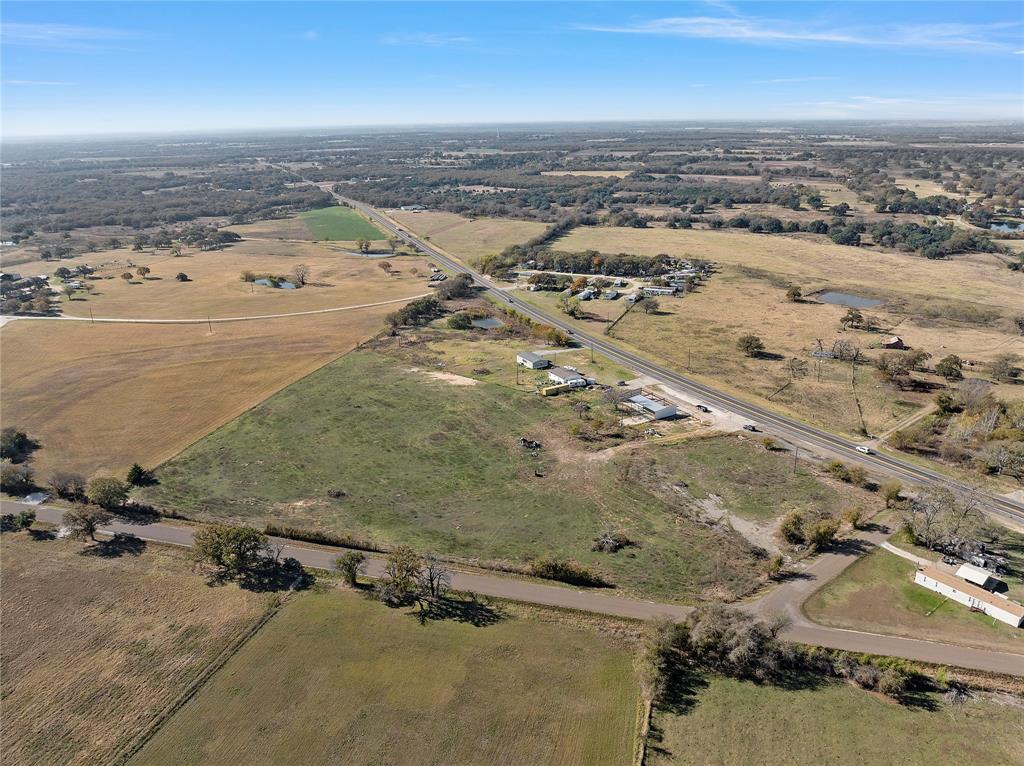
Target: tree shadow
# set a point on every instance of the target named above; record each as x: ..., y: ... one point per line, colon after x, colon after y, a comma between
x: 40, y: 535
x: 121, y: 544
x: 271, y: 576
x: 469, y: 609
x: 849, y: 547
x: 683, y: 684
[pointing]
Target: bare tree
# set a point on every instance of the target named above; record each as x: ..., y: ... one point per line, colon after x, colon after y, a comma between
x: 434, y: 577
x: 797, y: 367
x: 300, y: 274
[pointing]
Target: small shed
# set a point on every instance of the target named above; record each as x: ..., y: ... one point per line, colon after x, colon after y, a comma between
x: 531, y: 360
x: 895, y: 342
x: 978, y: 576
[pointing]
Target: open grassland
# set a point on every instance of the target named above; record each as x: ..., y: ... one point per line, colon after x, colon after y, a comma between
x: 94, y: 647
x: 807, y: 260
x: 724, y: 722
x: 878, y: 594
x: 340, y: 223
x: 467, y: 238
x: 338, y: 678
x: 103, y: 396
x: 437, y: 464
x: 216, y: 288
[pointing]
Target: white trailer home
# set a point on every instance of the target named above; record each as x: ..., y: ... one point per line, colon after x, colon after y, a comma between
x: 971, y: 595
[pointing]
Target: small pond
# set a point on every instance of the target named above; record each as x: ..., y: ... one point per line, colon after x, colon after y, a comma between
x: 845, y: 299
x: 488, y: 323
x: 281, y: 285
x: 1006, y: 226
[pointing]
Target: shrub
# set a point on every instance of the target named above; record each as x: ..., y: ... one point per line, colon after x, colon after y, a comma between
x: 839, y: 469
x: 891, y: 492
x: 893, y: 682
x: 67, y: 485
x: 106, y: 491
x: 821, y: 533
x: 866, y: 676
x: 792, y: 527
x: 323, y: 538
x: 460, y: 321
x: 854, y: 516
x: 349, y: 565
x: 15, y: 478
x: 138, y: 476
x: 568, y: 571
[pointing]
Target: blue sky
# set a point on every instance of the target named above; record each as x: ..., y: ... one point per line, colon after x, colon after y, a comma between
x: 74, y: 68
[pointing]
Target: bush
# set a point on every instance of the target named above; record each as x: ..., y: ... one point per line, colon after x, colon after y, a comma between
x: 15, y: 478
x: 460, y: 321
x: 139, y: 476
x: 821, y: 533
x: 891, y: 492
x: 10, y: 522
x: 839, y: 469
x: 792, y: 527
x: 568, y: 571
x: 15, y: 445
x: 67, y: 485
x: 893, y: 683
x: 106, y: 491
x: 866, y: 676
x: 323, y: 538
x: 854, y: 516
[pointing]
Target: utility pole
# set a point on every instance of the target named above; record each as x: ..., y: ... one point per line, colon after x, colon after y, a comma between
x: 796, y: 453
x: 209, y: 323
x: 91, y: 317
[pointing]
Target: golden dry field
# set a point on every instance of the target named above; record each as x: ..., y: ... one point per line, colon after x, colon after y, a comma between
x: 95, y: 646
x: 467, y: 238
x: 215, y: 287
x: 103, y: 396
x: 811, y: 261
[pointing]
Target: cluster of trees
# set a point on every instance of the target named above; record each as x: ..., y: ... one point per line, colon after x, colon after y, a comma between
x: 931, y: 241
x: 586, y: 262
x: 418, y: 312
x: 408, y: 576
x: 939, y: 518
x: 815, y: 530
x: 30, y: 295
x: 971, y: 428
x: 16, y: 449
x: 60, y: 196
x: 716, y: 638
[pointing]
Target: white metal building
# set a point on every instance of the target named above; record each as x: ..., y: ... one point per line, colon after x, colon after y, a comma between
x: 978, y: 576
x: 532, y: 360
x: 952, y: 587
x: 659, y: 410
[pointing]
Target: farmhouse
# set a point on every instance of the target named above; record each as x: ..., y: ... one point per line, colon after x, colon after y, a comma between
x: 969, y: 594
x: 895, y: 342
x: 563, y: 376
x: 531, y: 360
x: 649, y: 404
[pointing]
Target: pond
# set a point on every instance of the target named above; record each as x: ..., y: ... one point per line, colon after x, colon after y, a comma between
x: 845, y: 299
x: 281, y: 285
x: 1006, y: 226
x: 488, y: 323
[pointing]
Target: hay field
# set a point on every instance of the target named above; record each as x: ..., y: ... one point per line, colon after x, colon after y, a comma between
x: 94, y: 647
x: 723, y: 721
x: 806, y: 259
x: 337, y: 678
x: 339, y: 223
x: 216, y: 288
x: 467, y: 238
x: 103, y: 396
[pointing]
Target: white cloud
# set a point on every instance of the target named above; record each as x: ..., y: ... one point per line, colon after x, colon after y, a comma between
x: 698, y: 85
x: 66, y: 36
x: 430, y: 39
x: 36, y: 82
x: 991, y: 38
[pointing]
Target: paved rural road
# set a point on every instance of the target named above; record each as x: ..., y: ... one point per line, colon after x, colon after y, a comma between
x: 786, y: 598
x: 207, y: 320
x: 777, y: 424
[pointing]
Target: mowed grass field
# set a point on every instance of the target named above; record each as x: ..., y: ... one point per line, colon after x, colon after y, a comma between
x: 735, y: 723
x: 467, y: 238
x: 439, y: 466
x: 103, y: 396
x: 216, y: 288
x: 338, y: 678
x: 878, y: 594
x: 340, y: 223
x: 94, y: 647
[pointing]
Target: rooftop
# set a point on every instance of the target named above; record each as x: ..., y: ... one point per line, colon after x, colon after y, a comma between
x: 948, y: 578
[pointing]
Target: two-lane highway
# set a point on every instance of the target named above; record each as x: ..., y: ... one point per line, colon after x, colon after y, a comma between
x: 777, y: 424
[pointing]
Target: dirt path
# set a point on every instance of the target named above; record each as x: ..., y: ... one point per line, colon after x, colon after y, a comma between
x: 113, y: 320
x: 787, y: 598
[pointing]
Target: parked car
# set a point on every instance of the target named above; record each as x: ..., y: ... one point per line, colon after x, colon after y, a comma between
x: 702, y: 408
x: 749, y: 427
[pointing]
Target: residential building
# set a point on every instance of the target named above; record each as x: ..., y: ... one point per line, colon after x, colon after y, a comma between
x: 563, y: 376
x: 963, y: 592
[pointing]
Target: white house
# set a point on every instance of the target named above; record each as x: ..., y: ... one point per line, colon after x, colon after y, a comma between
x: 969, y: 594
x: 531, y: 360
x: 648, y: 405
x: 653, y: 290
x: 586, y: 295
x: 563, y: 376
